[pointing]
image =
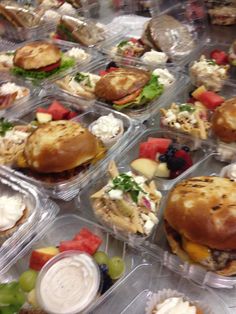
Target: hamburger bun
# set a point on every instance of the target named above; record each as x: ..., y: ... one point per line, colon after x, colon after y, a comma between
x: 200, y: 215
x: 36, y: 55
x: 224, y: 121
x: 120, y: 83
x: 60, y: 145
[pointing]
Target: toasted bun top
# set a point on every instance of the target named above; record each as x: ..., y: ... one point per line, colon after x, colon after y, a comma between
x: 203, y: 209
x: 61, y: 145
x: 224, y: 121
x: 36, y: 55
x: 120, y: 83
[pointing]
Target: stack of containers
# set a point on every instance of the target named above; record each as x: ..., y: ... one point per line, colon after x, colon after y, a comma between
x: 152, y: 272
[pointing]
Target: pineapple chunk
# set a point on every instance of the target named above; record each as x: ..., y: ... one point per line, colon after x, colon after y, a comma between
x: 199, y: 91
x: 43, y: 117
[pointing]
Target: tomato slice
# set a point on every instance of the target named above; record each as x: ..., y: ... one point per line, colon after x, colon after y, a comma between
x: 220, y: 57
x: 50, y: 67
x: 128, y: 98
x: 210, y: 100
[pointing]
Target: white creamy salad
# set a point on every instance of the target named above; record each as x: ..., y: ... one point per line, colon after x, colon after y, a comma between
x: 174, y: 306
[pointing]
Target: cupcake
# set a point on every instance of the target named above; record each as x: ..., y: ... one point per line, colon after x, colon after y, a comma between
x: 173, y: 302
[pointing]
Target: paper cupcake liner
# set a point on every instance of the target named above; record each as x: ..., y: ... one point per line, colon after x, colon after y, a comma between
x: 161, y: 296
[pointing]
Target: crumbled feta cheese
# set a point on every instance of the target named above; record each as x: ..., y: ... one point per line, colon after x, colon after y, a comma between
x: 77, y: 53
x: 106, y: 127
x: 115, y: 194
x: 155, y: 57
x: 149, y: 224
x: 164, y: 77
x: 11, y: 88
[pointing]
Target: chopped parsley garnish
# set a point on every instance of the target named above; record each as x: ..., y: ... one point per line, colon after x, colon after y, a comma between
x: 186, y: 107
x: 5, y: 126
x: 80, y: 77
x: 127, y: 184
x: 211, y: 62
x: 122, y: 43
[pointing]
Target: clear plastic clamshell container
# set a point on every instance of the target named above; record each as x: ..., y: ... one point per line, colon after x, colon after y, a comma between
x: 181, y: 97
x: 178, y: 38
x: 20, y: 34
x: 63, y: 186
x: 27, y: 94
x: 139, y: 113
x: 207, y: 48
x: 68, y: 64
x: 64, y: 228
x: 123, y: 161
x: 38, y: 212
x: 158, y: 245
x: 133, y: 294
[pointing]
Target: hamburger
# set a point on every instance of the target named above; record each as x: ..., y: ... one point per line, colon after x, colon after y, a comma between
x: 86, y: 33
x: 200, y: 222
x: 59, y: 146
x: 224, y: 121
x: 126, y: 87
x: 39, y: 60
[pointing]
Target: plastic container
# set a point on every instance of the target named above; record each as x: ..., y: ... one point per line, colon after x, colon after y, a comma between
x: 21, y: 103
x: 159, y: 246
x: 20, y: 34
x: 64, y: 228
x: 64, y: 47
x: 40, y: 212
x: 123, y: 161
x: 67, y: 189
x: 146, y: 111
x: 206, y: 50
x: 192, y: 15
x: 181, y: 97
x: 131, y: 295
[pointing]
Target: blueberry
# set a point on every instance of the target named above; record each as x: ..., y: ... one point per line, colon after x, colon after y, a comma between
x: 175, y: 163
x: 169, y: 154
x: 162, y: 158
x: 111, y: 64
x: 106, y: 282
x: 103, y: 268
x: 186, y: 149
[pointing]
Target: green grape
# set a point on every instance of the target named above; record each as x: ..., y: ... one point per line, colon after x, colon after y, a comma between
x: 101, y: 258
x: 116, y: 267
x: 27, y: 280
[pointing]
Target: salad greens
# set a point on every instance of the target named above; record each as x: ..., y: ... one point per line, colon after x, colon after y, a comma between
x: 66, y: 63
x: 80, y: 77
x: 186, y: 107
x: 122, y: 43
x: 126, y: 183
x: 5, y: 126
x: 150, y: 91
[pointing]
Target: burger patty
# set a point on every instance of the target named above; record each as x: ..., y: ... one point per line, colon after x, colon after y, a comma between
x: 217, y: 260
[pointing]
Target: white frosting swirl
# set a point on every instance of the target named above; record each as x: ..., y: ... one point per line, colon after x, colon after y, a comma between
x: 69, y: 285
x: 174, y: 306
x: 11, y: 210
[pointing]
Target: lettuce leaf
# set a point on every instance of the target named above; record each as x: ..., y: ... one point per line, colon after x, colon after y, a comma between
x: 66, y: 63
x: 150, y: 91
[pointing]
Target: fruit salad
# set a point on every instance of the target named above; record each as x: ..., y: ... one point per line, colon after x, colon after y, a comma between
x: 159, y: 157
x: 55, y: 111
x: 27, y: 291
x: 192, y: 117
